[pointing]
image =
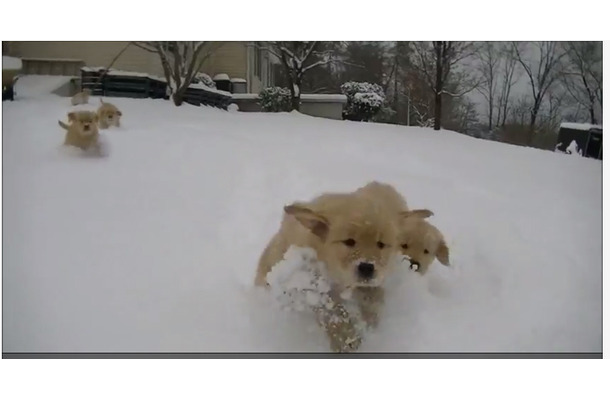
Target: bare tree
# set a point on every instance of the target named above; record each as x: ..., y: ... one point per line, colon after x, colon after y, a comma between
x: 487, y: 55
x: 180, y: 62
x: 508, y: 79
x: 436, y: 61
x: 582, y: 75
x: 542, y: 72
x: 297, y: 58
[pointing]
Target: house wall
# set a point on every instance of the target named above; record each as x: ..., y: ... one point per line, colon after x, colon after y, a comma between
x: 94, y: 54
x: 227, y: 57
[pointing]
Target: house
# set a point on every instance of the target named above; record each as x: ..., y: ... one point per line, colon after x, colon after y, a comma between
x: 587, y: 137
x: 239, y: 60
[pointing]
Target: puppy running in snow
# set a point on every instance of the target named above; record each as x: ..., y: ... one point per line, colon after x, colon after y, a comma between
x: 81, y: 97
x: 418, y: 239
x: 82, y: 131
x: 355, y: 238
x: 108, y: 115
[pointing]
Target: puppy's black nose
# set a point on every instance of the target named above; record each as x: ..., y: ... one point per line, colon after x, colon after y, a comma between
x: 414, y: 265
x: 366, y: 270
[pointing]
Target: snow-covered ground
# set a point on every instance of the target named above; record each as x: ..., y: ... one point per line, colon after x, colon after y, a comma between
x: 154, y: 248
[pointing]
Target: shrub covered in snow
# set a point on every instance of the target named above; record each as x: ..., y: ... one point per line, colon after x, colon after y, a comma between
x: 275, y: 99
x: 205, y: 79
x: 364, y: 100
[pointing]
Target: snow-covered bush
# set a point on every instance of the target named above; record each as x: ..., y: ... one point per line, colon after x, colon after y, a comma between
x: 364, y: 100
x: 275, y: 99
x: 205, y: 79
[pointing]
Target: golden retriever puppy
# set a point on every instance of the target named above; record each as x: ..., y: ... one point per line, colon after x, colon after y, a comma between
x: 81, y: 130
x: 420, y: 241
x: 355, y: 238
x: 81, y: 97
x: 108, y: 115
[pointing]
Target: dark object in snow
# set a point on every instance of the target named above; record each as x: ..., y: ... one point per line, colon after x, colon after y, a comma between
x: 8, y: 93
x: 588, y: 138
x: 222, y: 82
x: 114, y: 83
x: 9, y: 79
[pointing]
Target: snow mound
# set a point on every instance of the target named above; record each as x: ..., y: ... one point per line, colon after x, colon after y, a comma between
x: 298, y: 282
x: 573, y: 149
x: 221, y: 77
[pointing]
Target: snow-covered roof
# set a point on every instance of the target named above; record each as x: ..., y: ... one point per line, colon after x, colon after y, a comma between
x: 92, y: 69
x: 127, y: 73
x: 11, y: 63
x: 221, y: 77
x: 238, y: 80
x: 579, y: 126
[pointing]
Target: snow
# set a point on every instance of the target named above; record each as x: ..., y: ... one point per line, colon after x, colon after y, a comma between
x: 298, y: 281
x: 244, y: 96
x: 128, y: 73
x: 578, y: 126
x: 238, y: 80
x: 221, y: 77
x: 573, y: 149
x: 209, y: 89
x: 312, y: 98
x: 372, y: 99
x: 154, y: 248
x: 11, y: 63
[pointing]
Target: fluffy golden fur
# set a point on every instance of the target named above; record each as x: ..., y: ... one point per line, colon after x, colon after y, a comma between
x: 422, y: 242
x: 355, y: 237
x: 108, y: 115
x: 81, y: 97
x: 81, y: 130
x: 417, y: 238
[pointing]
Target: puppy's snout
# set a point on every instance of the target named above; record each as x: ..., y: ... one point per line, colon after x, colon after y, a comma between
x: 86, y: 127
x: 366, y: 270
x: 414, y: 265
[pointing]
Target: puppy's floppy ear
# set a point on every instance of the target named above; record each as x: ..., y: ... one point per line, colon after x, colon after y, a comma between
x: 442, y: 253
x: 71, y: 116
x: 423, y: 213
x: 316, y: 223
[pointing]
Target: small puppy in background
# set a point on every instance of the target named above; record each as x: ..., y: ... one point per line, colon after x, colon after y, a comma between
x: 419, y: 240
x: 82, y: 131
x: 81, y: 97
x: 108, y: 115
x: 355, y: 238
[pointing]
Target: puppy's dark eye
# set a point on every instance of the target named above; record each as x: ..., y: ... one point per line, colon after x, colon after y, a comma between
x: 381, y: 245
x: 405, y: 246
x: 349, y: 242
x: 426, y: 251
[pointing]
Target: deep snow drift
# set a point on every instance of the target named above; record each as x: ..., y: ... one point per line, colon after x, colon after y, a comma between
x: 154, y: 248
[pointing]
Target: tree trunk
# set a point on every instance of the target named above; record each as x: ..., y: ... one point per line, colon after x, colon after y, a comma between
x: 295, y: 90
x: 532, y: 127
x: 592, y: 113
x: 178, y: 96
x: 438, y: 102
